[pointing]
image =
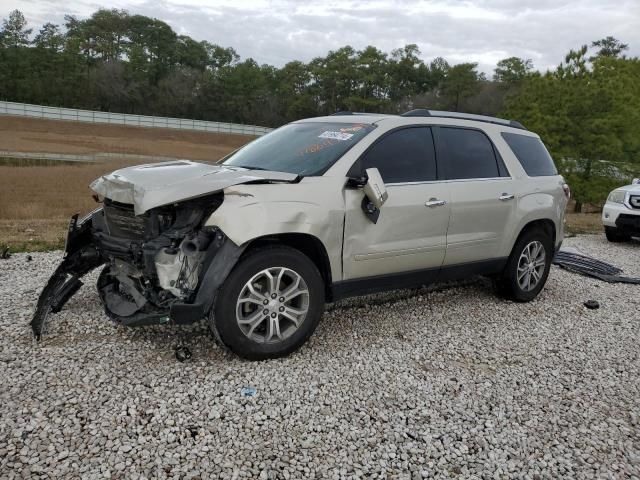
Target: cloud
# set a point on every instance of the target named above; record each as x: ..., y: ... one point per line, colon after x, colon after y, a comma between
x: 484, y: 31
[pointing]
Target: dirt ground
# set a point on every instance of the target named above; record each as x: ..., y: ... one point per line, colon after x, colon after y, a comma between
x: 36, y: 201
x: 18, y: 134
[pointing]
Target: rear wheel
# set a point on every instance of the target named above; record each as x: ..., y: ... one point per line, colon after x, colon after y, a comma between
x: 528, y: 267
x: 614, y: 235
x: 269, y: 305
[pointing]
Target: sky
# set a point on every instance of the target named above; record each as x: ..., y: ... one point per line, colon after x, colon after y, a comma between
x: 278, y: 31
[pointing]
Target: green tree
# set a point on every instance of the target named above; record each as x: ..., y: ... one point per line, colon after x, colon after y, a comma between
x: 609, y: 47
x: 14, y: 33
x: 461, y: 82
x: 512, y: 70
x: 588, y: 114
x: 408, y: 73
x: 49, y: 37
x: 14, y: 39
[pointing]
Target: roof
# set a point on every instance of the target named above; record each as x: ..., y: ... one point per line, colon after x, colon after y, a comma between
x: 423, y: 112
x: 366, y: 118
x: 371, y: 118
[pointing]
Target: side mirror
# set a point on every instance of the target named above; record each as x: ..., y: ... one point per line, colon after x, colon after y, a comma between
x: 374, y: 189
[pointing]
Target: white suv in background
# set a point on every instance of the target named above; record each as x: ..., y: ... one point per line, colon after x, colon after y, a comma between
x: 315, y: 211
x: 621, y: 213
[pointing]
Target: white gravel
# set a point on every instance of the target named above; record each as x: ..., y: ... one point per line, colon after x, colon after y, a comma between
x: 442, y: 383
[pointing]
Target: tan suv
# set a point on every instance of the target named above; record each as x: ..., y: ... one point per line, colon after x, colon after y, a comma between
x: 315, y: 211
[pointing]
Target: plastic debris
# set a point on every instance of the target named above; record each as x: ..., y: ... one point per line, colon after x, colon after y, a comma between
x: 591, y: 304
x: 591, y: 267
x: 248, y: 391
x: 183, y: 354
x: 29, y: 258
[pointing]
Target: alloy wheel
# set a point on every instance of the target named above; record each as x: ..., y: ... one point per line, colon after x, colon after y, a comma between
x: 531, y: 265
x: 272, y: 305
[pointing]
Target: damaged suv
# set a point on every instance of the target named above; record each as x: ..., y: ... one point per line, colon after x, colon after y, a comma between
x: 316, y: 211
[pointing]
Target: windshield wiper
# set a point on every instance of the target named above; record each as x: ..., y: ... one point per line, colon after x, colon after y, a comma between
x: 251, y: 168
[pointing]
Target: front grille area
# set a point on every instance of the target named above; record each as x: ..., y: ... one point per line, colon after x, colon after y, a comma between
x: 122, y: 221
x: 634, y: 201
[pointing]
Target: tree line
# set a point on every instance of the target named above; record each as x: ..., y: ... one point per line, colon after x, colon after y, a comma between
x: 586, y: 110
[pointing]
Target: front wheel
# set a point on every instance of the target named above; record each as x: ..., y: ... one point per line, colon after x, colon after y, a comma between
x: 528, y: 267
x: 614, y: 235
x: 269, y: 305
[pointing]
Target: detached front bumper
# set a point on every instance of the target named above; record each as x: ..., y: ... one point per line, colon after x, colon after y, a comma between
x: 80, y: 257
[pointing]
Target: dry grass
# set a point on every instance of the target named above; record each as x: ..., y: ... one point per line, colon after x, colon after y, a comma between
x: 578, y: 223
x: 19, y: 134
x: 37, y: 201
x: 33, y: 235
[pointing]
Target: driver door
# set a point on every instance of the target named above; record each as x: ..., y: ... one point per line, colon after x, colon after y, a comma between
x: 411, y: 231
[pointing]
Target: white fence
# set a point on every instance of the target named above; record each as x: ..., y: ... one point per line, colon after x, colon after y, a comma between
x: 90, y: 116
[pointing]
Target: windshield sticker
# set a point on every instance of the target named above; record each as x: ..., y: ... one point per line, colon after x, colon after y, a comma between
x: 317, y: 147
x: 354, y: 128
x: 336, y: 135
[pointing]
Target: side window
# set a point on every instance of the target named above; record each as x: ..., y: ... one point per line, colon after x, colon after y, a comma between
x: 406, y: 155
x: 532, y: 154
x: 467, y: 153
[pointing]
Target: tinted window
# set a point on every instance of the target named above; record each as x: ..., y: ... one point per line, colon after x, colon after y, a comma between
x: 467, y: 154
x: 405, y: 155
x: 532, y: 154
x: 300, y: 148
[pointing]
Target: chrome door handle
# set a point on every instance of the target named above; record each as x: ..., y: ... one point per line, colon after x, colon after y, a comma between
x: 434, y: 202
x: 506, y: 196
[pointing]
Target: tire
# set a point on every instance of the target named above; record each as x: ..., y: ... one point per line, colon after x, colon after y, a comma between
x: 238, y: 319
x: 510, y: 283
x: 614, y: 235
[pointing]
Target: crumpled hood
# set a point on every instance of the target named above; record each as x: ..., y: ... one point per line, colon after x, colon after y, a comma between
x: 157, y: 184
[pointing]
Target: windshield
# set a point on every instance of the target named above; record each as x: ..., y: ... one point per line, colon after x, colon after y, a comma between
x: 300, y: 148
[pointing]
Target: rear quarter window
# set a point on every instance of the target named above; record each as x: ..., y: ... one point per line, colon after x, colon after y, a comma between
x: 532, y: 154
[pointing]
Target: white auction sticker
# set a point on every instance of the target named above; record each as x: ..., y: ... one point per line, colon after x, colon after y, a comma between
x: 336, y: 135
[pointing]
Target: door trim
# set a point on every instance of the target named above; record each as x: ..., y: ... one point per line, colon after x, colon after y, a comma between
x: 359, y: 257
x: 415, y: 278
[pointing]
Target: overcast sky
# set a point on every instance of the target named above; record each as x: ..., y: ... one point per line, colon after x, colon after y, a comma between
x: 277, y: 31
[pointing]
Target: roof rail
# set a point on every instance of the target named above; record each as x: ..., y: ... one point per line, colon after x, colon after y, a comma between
x: 351, y: 113
x: 423, y: 112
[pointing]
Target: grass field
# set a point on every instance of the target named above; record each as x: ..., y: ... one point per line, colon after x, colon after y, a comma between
x: 36, y: 201
x: 18, y: 134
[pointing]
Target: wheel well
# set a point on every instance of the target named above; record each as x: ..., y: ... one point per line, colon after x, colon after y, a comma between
x: 544, y: 224
x: 309, y: 245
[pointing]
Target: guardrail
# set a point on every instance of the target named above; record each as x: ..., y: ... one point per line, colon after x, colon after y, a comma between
x: 90, y: 116
x: 85, y: 158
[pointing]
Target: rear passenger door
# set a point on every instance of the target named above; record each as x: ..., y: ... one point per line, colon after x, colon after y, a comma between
x: 410, y: 233
x: 481, y: 192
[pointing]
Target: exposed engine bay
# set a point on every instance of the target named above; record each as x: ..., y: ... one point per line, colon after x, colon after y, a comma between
x: 160, y: 262
x: 152, y: 264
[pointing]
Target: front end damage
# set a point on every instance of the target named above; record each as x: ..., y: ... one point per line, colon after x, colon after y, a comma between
x: 160, y: 263
x: 159, y: 267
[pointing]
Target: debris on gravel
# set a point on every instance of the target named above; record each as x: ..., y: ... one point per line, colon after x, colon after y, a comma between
x: 436, y: 383
x: 592, y: 304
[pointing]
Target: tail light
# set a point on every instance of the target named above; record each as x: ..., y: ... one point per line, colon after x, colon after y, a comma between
x: 567, y: 190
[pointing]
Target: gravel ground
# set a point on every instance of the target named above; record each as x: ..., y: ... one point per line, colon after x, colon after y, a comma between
x: 440, y: 383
